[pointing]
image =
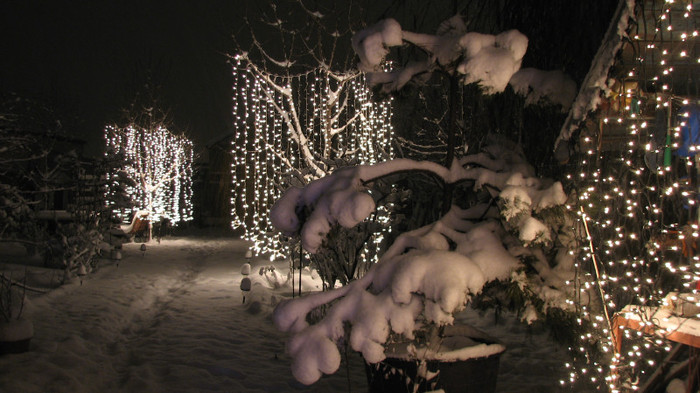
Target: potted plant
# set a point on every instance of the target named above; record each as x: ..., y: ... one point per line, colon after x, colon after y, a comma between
x: 504, y: 237
x: 512, y: 233
x: 15, y: 331
x: 459, y: 358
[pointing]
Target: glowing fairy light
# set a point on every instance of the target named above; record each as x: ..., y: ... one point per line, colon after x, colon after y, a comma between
x: 292, y: 129
x: 638, y: 202
x: 159, y: 166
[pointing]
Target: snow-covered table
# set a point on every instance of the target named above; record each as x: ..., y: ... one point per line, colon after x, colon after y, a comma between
x: 658, y: 321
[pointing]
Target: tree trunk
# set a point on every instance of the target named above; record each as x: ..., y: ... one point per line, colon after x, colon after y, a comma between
x: 451, y: 141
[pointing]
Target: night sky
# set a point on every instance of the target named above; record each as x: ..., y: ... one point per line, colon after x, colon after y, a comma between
x: 87, y: 59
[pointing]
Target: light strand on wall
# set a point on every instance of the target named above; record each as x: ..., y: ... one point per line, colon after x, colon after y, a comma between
x: 640, y: 202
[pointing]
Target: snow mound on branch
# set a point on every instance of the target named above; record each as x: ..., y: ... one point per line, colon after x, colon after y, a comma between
x: 520, y: 200
x: 371, y: 44
x: 548, y: 86
x: 491, y: 61
x: 312, y: 354
x: 335, y: 199
x: 472, y: 43
x: 444, y: 277
x: 386, y: 299
x: 397, y: 79
x: 284, y: 217
x: 533, y: 229
x: 453, y: 26
x: 483, y: 246
x: 529, y: 196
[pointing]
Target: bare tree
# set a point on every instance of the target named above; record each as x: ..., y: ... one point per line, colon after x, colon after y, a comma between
x: 159, y: 165
x: 300, y: 109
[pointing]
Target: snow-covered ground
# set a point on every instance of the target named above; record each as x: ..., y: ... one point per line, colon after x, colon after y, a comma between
x: 172, y: 319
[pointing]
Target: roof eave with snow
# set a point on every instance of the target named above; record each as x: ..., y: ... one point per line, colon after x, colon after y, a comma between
x: 594, y: 83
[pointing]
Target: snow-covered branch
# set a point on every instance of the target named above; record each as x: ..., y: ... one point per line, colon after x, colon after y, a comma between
x: 489, y: 60
x: 428, y: 273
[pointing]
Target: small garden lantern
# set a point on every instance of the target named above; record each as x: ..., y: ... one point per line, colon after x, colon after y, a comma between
x: 245, y: 286
x: 82, y: 272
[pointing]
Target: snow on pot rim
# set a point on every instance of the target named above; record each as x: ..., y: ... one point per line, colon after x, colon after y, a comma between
x: 457, y: 343
x: 451, y: 349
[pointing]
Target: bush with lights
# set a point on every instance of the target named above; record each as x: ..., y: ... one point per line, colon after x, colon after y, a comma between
x: 636, y: 174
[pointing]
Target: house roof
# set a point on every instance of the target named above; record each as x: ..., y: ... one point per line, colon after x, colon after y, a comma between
x: 595, y: 81
x: 651, y: 43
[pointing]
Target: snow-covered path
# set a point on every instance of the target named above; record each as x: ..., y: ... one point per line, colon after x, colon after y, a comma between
x: 172, y: 320
x: 167, y: 320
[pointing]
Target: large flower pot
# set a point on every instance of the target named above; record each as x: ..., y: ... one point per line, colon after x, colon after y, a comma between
x: 466, y: 360
x: 15, y: 336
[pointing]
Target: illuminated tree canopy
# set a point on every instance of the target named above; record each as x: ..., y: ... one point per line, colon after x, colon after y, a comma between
x: 159, y: 167
x: 292, y: 129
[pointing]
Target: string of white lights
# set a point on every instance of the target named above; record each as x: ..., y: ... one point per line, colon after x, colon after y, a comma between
x: 641, y: 204
x: 159, y: 167
x: 294, y: 129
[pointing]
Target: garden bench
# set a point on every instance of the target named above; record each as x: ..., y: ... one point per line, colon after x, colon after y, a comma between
x: 137, y: 227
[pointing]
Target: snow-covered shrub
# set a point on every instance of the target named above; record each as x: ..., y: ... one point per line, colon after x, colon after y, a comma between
x: 36, y: 171
x: 76, y: 247
x: 431, y: 272
x: 274, y: 279
x: 20, y: 150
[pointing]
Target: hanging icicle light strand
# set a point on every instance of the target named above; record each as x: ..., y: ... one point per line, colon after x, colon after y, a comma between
x: 292, y: 129
x: 159, y: 165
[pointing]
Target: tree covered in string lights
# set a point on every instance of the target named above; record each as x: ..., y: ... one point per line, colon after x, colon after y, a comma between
x: 636, y: 176
x: 293, y: 129
x: 158, y: 166
x: 300, y: 112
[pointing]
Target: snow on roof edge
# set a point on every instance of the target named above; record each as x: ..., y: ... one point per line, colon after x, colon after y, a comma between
x: 588, y: 96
